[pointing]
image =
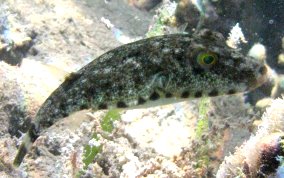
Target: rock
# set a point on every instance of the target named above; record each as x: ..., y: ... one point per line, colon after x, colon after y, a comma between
x: 187, y: 13
x: 13, y: 113
x: 15, y: 40
x: 258, y: 156
x: 268, y: 89
x: 278, y: 88
x: 281, y: 60
x: 23, y: 90
x: 7, y: 152
x: 258, y: 52
x: 157, y: 141
x: 281, y: 85
x: 144, y: 4
x: 262, y: 104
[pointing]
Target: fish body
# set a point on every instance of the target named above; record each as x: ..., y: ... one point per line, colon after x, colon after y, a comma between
x: 171, y: 67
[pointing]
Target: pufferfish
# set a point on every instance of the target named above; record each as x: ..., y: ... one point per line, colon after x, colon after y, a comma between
x: 150, y: 72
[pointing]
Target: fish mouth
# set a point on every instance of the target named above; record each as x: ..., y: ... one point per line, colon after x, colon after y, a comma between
x: 262, y: 76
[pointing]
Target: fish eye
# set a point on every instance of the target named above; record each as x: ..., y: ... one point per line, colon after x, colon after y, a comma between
x: 207, y: 59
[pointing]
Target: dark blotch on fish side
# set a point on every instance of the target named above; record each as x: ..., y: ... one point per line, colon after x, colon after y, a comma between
x: 198, y: 94
x: 232, y: 91
x: 84, y: 106
x: 121, y: 104
x: 102, y: 106
x: 141, y: 101
x: 154, y: 96
x: 213, y: 93
x: 168, y: 95
x: 185, y: 94
x: 64, y: 114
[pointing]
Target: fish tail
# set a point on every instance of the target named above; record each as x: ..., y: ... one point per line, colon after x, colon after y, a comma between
x: 26, y: 145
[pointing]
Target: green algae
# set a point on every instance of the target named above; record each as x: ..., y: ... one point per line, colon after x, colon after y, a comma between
x: 107, y: 122
x: 203, y: 120
x: 202, y: 128
x: 90, y: 151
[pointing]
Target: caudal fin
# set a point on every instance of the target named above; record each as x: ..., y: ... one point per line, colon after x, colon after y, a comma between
x: 26, y: 145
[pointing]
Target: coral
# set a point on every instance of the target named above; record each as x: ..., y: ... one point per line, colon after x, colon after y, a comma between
x: 235, y: 37
x: 259, y: 155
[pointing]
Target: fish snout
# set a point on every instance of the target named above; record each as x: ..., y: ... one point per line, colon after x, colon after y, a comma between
x: 261, y: 75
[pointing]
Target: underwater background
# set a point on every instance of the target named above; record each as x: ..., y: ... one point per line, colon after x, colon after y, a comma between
x: 42, y: 42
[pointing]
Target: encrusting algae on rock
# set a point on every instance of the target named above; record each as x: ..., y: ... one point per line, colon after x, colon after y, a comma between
x: 150, y: 72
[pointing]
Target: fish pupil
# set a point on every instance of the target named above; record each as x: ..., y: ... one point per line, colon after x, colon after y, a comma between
x: 208, y: 59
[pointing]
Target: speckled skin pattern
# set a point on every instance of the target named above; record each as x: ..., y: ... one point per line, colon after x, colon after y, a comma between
x: 148, y: 70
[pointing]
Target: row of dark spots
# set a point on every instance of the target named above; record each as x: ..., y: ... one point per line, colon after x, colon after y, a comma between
x: 121, y: 104
x: 155, y: 96
x: 186, y: 94
x: 140, y: 101
x: 212, y: 93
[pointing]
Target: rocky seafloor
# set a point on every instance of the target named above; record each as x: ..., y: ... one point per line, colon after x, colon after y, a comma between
x: 42, y: 41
